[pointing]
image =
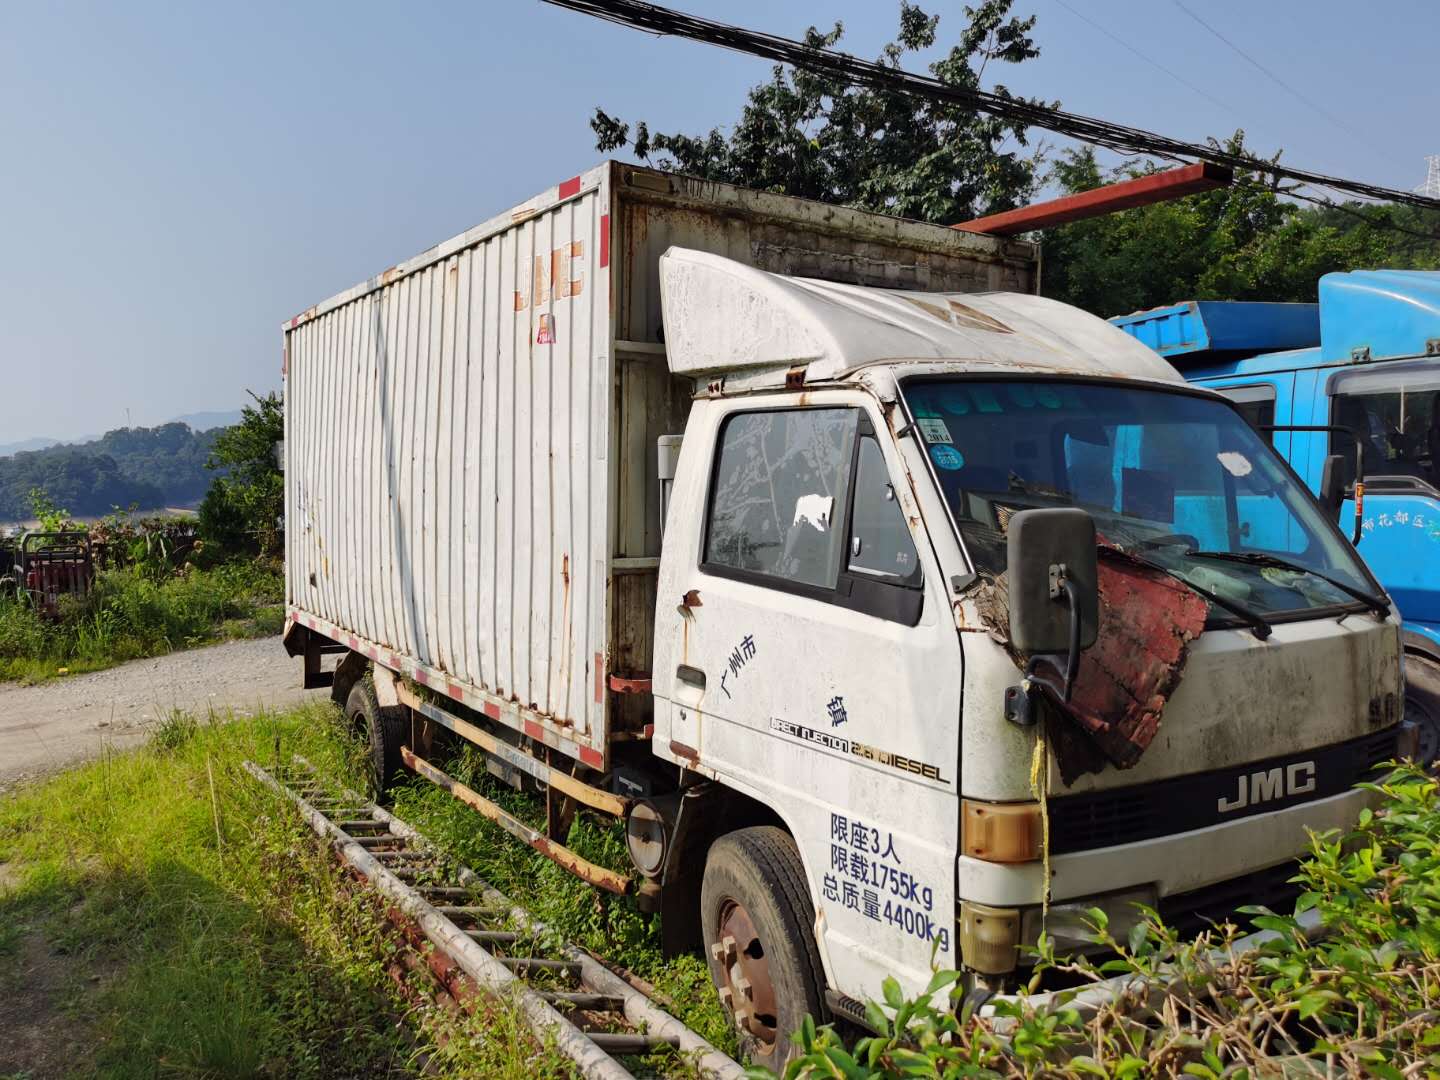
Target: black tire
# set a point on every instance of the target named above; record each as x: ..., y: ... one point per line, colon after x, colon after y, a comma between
x: 384, y: 731
x: 758, y: 872
x: 1422, y: 704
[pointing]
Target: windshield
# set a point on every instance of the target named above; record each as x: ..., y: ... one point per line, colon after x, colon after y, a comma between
x: 1179, y: 479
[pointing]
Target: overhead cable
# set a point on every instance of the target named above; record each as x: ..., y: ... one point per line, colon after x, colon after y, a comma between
x: 655, y: 19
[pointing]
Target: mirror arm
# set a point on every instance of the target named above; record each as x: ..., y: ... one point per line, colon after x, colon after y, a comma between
x: 1017, y: 705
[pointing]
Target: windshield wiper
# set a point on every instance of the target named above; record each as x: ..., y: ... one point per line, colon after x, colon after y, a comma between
x: 1260, y: 558
x: 1257, y: 622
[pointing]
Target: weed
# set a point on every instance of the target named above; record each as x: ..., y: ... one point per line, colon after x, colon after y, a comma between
x: 131, y: 613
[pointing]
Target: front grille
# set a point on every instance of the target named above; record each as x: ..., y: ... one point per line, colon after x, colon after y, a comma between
x: 1179, y: 804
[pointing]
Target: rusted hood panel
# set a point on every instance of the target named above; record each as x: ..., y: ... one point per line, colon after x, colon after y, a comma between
x: 1147, y: 619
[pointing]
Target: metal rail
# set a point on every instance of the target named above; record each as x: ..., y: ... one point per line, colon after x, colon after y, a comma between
x: 593, y: 1016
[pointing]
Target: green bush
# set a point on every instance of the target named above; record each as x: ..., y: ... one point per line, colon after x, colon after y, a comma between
x: 1361, y: 998
x: 134, y: 612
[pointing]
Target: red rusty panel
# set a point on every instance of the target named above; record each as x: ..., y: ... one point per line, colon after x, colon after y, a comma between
x: 1147, y: 618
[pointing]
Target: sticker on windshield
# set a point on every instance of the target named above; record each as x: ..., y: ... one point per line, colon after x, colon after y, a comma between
x: 934, y: 429
x: 946, y: 457
x: 1235, y: 463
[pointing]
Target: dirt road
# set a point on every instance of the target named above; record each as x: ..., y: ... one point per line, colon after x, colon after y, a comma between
x: 45, y: 727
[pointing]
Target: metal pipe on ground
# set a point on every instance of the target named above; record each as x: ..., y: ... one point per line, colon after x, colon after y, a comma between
x: 485, y: 969
x: 638, y: 1008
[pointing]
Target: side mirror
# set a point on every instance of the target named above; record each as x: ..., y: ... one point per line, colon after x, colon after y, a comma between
x: 1054, y: 595
x: 1332, y: 484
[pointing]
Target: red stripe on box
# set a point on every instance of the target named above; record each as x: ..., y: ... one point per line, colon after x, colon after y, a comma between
x: 604, y: 239
x: 421, y: 677
x: 593, y: 758
x: 454, y: 691
x: 534, y: 730
x: 570, y: 187
x: 492, y: 710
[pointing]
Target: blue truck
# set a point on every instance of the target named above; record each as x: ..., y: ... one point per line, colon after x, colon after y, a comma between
x: 1361, y: 370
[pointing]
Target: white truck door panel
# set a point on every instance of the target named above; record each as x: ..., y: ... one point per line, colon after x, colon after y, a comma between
x: 844, y: 721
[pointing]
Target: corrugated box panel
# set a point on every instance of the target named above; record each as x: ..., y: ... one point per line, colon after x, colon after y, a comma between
x: 470, y: 435
x: 447, y: 437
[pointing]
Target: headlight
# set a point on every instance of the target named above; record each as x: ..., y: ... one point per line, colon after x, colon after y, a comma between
x: 1069, y: 924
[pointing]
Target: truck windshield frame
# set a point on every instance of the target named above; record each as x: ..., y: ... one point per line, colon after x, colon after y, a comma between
x: 1165, y: 471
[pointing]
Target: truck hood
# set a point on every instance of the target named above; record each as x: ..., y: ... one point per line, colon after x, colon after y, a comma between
x: 1310, y: 684
x: 1313, y: 683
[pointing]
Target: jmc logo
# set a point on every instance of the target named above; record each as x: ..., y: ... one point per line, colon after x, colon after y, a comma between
x: 1276, y: 783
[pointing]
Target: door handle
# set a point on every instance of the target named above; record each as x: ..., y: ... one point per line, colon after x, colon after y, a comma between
x: 691, y: 676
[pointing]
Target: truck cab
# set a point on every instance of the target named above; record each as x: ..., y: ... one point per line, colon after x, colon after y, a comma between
x: 848, y: 638
x: 1365, y: 361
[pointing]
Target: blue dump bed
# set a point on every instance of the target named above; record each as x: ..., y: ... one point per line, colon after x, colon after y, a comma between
x: 1362, y: 315
x: 1223, y: 326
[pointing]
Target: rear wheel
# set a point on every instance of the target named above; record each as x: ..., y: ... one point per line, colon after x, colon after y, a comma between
x: 760, y: 939
x: 1422, y: 704
x: 383, y: 730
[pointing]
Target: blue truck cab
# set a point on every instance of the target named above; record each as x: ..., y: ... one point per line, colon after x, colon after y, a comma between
x: 1366, y: 358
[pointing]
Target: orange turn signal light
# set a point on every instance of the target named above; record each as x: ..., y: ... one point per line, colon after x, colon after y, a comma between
x: 1001, y: 832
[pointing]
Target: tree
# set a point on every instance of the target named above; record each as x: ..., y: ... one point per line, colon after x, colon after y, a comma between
x: 242, y: 509
x: 816, y: 137
x: 1244, y: 242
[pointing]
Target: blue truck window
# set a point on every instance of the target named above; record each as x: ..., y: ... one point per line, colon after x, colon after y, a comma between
x: 1395, y: 410
x: 1256, y: 403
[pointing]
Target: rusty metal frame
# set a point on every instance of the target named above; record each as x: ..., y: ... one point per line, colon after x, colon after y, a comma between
x: 561, y: 781
x: 599, y: 876
x: 1107, y: 199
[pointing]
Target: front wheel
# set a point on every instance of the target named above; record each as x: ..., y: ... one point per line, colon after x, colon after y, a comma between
x: 760, y: 939
x: 1422, y: 705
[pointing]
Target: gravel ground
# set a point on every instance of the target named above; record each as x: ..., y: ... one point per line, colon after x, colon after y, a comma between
x: 46, y: 727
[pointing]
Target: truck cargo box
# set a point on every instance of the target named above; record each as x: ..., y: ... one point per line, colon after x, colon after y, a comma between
x: 471, y: 495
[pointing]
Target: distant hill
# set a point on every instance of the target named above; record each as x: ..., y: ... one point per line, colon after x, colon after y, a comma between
x: 206, y: 421
x: 152, y: 467
x: 40, y: 442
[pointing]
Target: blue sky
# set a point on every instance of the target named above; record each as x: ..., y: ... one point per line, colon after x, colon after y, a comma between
x: 175, y: 179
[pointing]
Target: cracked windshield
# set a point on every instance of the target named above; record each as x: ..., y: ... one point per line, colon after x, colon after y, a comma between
x: 1174, y: 479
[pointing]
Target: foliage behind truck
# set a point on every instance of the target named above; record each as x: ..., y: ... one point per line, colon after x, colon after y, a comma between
x: 850, y: 573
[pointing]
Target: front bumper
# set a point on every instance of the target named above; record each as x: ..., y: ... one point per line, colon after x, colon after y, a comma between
x: 1179, y: 863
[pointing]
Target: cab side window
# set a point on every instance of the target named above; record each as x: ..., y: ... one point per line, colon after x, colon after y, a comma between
x: 780, y: 494
x: 801, y: 501
x: 1256, y: 403
x: 880, y: 543
x: 1394, y: 410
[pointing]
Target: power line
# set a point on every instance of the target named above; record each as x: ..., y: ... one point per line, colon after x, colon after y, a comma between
x: 1147, y: 58
x: 1326, y: 113
x: 655, y: 19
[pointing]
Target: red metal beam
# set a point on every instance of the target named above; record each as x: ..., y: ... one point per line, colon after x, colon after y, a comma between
x: 1126, y: 195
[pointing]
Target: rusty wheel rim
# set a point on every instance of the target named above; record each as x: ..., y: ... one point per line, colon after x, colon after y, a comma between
x: 747, y: 991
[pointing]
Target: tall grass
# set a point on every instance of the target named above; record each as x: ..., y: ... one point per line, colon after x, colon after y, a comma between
x: 131, y: 614
x: 252, y: 958
x: 255, y: 954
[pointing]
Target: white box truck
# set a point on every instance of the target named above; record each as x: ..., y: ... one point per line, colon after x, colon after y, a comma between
x: 897, y: 610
